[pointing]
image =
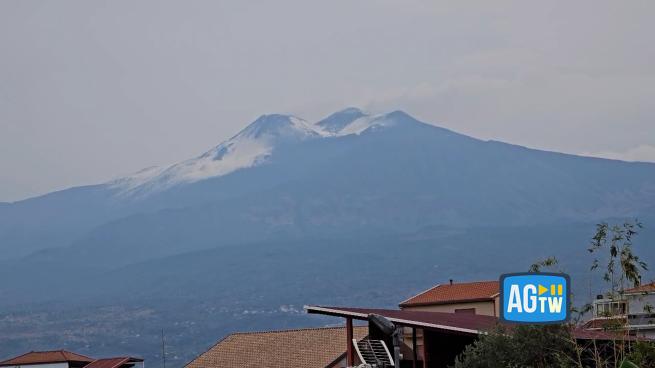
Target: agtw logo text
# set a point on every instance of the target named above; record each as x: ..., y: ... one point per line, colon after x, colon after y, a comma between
x: 534, y: 297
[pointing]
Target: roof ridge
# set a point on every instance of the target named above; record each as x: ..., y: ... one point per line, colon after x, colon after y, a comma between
x: 421, y: 293
x: 58, y: 355
x: 472, y: 288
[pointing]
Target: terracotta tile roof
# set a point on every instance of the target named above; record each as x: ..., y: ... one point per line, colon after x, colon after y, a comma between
x: 313, y: 347
x: 112, y: 362
x: 40, y: 357
x: 455, y: 293
x: 644, y: 288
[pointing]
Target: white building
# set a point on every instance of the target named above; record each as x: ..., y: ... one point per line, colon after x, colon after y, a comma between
x: 633, y: 310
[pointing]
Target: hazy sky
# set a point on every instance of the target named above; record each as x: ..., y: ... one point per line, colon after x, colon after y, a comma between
x: 91, y: 90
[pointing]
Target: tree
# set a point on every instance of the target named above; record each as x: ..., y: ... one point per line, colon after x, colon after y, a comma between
x: 622, y: 264
x: 522, y: 346
x: 548, y: 263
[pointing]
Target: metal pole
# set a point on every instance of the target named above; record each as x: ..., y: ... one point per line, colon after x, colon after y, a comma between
x: 163, y: 349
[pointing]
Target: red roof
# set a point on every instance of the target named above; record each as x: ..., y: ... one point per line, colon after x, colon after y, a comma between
x: 645, y: 288
x: 605, y: 323
x: 112, y: 362
x: 583, y: 334
x: 455, y: 293
x: 455, y: 322
x: 41, y: 357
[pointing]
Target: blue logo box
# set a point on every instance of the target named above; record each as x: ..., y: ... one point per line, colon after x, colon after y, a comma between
x: 535, y: 298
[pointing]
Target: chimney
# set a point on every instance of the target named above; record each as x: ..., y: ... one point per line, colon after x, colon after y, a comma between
x: 451, y: 281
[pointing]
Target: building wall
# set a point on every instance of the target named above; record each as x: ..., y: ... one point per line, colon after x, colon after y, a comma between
x: 483, y: 308
x: 636, y: 303
x: 49, y: 365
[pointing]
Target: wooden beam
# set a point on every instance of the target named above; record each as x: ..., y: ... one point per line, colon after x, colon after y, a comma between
x: 350, y: 353
x: 414, y: 352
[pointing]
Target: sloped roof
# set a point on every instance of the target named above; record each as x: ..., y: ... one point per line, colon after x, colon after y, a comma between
x: 112, y: 362
x: 644, y: 288
x: 312, y: 347
x: 455, y: 293
x: 470, y: 324
x: 604, y: 323
x: 41, y: 357
x: 463, y: 323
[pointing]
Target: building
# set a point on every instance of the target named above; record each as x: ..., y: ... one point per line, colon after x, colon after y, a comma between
x: 479, y: 297
x: 434, y: 328
x: 446, y: 335
x: 310, y: 347
x: 633, y: 310
x: 48, y: 359
x: 67, y: 359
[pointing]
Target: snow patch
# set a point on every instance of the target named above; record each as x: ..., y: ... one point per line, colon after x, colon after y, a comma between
x: 251, y: 147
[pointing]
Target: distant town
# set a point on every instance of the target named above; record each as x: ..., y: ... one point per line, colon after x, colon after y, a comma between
x: 434, y: 328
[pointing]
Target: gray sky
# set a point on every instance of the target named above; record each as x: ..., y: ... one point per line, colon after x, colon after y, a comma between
x: 91, y: 90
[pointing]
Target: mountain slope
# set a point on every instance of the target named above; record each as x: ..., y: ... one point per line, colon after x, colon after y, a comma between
x: 351, y: 172
x: 395, y: 177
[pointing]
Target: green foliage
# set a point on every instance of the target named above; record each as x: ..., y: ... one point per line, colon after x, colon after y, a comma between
x: 642, y: 354
x: 523, y: 346
x: 628, y: 364
x: 622, y: 264
x: 549, y: 263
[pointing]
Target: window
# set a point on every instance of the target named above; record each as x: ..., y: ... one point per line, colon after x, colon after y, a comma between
x: 611, y: 308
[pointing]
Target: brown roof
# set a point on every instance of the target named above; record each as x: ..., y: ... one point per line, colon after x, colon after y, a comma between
x: 644, y: 288
x: 312, y: 347
x: 455, y: 293
x: 470, y: 324
x: 112, y: 362
x: 583, y: 334
x: 605, y: 323
x: 40, y: 357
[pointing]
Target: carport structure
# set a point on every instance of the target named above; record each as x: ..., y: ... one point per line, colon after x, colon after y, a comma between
x: 436, y: 338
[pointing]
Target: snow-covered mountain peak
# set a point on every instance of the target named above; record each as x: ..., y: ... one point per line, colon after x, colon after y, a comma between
x: 277, y: 126
x: 253, y: 146
x: 250, y: 147
x: 334, y: 123
x: 354, y: 121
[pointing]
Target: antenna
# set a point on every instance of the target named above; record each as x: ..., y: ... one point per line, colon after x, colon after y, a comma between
x: 163, y: 349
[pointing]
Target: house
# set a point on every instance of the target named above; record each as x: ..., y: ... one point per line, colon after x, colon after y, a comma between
x: 445, y: 335
x: 48, y: 359
x: 478, y: 297
x: 67, y: 359
x: 310, y: 347
x: 632, y: 310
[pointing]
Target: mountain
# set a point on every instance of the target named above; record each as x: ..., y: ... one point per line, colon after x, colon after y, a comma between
x: 366, y: 206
